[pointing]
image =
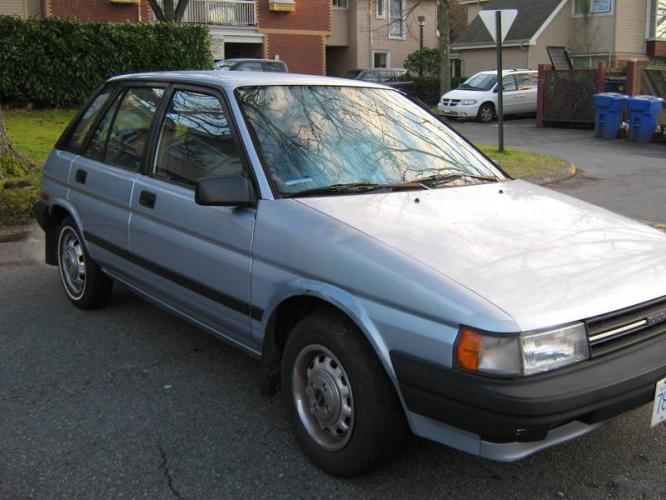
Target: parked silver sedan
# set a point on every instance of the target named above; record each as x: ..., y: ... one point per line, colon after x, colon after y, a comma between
x: 387, y: 274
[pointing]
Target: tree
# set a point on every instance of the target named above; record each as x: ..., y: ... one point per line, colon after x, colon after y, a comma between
x: 169, y: 11
x: 12, y: 163
x: 443, y: 27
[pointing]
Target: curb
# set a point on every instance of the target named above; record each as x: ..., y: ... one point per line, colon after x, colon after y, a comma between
x: 15, y: 233
x: 552, y: 176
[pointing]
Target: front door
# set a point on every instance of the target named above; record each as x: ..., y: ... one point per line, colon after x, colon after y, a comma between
x: 195, y: 258
x: 511, y: 95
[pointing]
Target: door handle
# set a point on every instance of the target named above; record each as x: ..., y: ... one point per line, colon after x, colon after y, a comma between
x: 81, y: 176
x: 147, y: 199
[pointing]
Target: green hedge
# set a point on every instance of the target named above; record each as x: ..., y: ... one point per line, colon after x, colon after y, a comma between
x: 57, y: 62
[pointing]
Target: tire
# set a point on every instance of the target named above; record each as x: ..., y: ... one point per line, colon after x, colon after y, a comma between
x: 85, y: 285
x: 349, y: 420
x: 486, y: 113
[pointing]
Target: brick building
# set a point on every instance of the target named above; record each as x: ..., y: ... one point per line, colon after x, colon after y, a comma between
x: 311, y: 36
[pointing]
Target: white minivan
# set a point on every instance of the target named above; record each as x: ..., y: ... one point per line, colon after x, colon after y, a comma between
x: 477, y: 97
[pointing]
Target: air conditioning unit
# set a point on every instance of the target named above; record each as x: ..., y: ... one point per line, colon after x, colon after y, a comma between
x: 281, y: 5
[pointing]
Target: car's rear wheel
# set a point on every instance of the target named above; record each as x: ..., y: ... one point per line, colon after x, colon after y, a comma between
x: 343, y: 409
x: 84, y: 282
x: 486, y: 113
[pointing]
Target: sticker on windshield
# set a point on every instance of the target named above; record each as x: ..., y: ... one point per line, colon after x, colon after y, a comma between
x: 292, y: 181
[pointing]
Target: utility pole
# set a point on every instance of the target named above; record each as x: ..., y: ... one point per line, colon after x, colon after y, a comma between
x: 443, y: 39
x: 500, y: 81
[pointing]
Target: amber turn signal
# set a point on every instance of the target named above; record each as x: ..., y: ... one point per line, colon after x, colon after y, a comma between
x: 468, y: 349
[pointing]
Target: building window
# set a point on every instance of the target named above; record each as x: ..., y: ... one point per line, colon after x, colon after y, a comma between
x: 586, y: 7
x: 381, y: 59
x: 340, y: 4
x: 591, y: 61
x: 657, y: 27
x: 381, y: 4
x: 397, y: 23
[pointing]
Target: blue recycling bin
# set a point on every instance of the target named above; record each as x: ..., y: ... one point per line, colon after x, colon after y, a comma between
x: 644, y: 112
x: 609, y: 109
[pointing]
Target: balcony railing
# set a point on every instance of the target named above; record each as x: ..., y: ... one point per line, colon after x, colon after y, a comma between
x: 224, y: 12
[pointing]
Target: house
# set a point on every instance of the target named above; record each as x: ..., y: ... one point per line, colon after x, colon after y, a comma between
x: 593, y: 31
x: 378, y: 33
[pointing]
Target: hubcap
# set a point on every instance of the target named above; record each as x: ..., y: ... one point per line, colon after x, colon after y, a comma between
x: 323, y: 397
x: 486, y: 114
x: 72, y: 263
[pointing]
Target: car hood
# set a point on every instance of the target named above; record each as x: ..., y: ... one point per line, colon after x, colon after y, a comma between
x: 542, y: 257
x: 467, y: 94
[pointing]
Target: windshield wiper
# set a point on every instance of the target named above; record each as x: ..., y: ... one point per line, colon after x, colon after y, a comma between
x: 436, y: 180
x: 356, y: 187
x: 335, y: 188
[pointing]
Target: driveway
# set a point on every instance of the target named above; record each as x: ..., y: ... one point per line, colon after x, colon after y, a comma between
x: 625, y: 177
x: 128, y: 401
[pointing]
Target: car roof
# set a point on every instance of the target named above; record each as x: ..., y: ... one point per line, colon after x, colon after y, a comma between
x: 250, y: 59
x: 234, y: 79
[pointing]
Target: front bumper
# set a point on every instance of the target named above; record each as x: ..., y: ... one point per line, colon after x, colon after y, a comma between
x: 457, y: 111
x: 533, y: 409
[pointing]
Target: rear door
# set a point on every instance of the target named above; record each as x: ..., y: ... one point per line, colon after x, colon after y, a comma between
x: 103, y: 175
x: 195, y: 258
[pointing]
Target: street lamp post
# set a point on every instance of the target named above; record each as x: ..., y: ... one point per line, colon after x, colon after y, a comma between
x: 421, y: 21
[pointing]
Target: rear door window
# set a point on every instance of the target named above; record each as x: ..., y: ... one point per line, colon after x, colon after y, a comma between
x: 527, y: 81
x: 97, y: 145
x: 131, y: 127
x: 196, y: 141
x: 121, y: 136
x: 87, y: 120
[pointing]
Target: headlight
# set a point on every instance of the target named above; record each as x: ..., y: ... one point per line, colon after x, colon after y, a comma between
x: 467, y: 102
x: 524, y: 354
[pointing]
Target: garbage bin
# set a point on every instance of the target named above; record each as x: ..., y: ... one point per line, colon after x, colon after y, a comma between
x: 609, y: 109
x: 643, y: 114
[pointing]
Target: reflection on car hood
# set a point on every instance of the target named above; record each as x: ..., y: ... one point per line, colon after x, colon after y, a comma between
x: 542, y: 257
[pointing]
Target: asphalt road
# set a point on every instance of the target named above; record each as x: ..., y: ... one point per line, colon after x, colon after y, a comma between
x: 625, y: 177
x: 129, y: 401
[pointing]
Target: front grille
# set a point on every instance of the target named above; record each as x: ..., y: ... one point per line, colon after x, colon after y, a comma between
x: 450, y: 102
x: 609, y: 332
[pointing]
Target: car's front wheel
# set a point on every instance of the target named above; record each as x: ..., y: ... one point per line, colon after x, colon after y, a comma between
x: 84, y: 282
x: 486, y: 113
x: 343, y: 409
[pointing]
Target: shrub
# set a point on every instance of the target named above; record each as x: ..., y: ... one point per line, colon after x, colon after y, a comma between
x: 427, y: 89
x: 57, y: 62
x: 423, y: 60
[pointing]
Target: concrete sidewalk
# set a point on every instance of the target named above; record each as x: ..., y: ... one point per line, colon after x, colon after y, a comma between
x: 625, y: 177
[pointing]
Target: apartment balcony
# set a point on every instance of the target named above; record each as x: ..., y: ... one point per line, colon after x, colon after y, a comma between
x: 222, y: 12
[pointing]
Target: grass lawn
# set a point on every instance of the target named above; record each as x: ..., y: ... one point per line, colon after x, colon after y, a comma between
x: 35, y: 132
x: 522, y: 163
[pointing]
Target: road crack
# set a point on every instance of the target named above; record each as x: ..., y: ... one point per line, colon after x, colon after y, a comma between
x: 167, y: 474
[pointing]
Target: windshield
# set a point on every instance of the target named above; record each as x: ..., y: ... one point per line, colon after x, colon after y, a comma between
x: 480, y: 82
x: 313, y: 137
x: 223, y: 66
x: 352, y: 73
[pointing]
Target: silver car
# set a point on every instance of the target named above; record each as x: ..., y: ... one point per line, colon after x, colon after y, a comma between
x: 389, y: 277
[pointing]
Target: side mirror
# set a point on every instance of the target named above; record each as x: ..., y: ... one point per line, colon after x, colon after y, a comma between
x: 230, y: 191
